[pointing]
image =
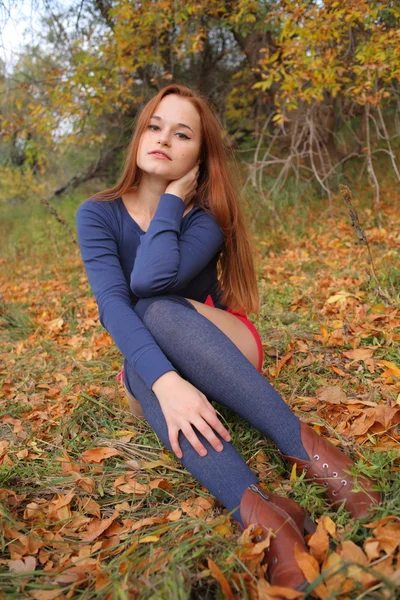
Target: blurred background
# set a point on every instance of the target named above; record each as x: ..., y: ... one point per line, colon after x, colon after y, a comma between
x: 308, y: 92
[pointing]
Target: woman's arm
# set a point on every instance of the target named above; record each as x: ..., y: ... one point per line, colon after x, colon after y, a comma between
x: 166, y: 261
x: 99, y: 253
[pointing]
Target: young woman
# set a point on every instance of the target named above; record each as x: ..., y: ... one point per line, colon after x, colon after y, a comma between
x: 152, y: 246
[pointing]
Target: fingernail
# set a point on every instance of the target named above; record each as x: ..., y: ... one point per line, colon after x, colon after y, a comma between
x: 219, y: 448
x: 203, y: 452
x: 228, y: 438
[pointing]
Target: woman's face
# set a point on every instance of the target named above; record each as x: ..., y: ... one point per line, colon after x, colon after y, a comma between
x: 166, y: 131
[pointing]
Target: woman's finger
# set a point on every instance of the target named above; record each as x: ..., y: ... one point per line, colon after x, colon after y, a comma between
x: 216, y: 424
x: 190, y: 435
x: 209, y: 434
x: 173, y: 440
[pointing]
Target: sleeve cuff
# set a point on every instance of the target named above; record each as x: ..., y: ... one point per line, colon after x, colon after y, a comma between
x: 171, y: 206
x: 151, y: 365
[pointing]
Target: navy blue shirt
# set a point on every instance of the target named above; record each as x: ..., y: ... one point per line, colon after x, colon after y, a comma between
x: 176, y: 255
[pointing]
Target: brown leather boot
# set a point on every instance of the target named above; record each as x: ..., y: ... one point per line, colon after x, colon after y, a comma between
x: 298, y: 514
x: 329, y: 466
x: 283, y: 570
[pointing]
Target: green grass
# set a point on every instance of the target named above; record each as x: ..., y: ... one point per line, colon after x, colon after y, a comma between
x: 93, y: 411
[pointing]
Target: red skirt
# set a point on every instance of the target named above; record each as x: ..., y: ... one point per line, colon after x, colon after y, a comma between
x: 248, y: 324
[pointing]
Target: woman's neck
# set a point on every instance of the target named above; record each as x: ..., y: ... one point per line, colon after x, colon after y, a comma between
x: 144, y: 198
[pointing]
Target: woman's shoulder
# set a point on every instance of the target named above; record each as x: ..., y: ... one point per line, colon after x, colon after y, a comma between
x: 99, y: 207
x: 92, y: 203
x: 203, y: 217
x: 99, y: 212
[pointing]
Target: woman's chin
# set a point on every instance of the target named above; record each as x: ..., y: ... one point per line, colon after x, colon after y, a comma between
x: 157, y: 173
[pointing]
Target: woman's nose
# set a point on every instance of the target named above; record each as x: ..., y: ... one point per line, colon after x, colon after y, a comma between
x: 163, y: 138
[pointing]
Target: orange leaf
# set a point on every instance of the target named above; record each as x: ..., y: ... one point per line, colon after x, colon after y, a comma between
x: 99, y: 454
x: 310, y: 569
x: 332, y: 394
x: 97, y: 527
x: 319, y: 542
x: 222, y: 580
x: 334, y: 577
x: 392, y: 367
x: 48, y: 594
x: 90, y: 507
x: 358, y: 354
x: 277, y: 591
x: 67, y: 464
x: 388, y: 536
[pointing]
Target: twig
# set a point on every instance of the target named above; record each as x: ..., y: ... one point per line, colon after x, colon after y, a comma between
x: 59, y: 219
x: 362, y: 238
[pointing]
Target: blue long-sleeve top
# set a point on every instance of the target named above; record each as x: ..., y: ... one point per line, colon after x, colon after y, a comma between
x: 176, y: 255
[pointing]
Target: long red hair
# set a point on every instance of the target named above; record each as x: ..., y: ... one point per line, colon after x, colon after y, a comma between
x: 218, y: 192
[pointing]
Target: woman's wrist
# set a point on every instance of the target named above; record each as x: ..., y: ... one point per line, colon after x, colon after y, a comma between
x: 174, y: 191
x: 167, y: 379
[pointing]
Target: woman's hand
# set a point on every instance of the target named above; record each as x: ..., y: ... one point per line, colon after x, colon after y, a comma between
x: 185, y: 187
x: 183, y: 405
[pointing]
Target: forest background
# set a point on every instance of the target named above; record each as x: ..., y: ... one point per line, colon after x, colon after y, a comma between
x: 308, y: 93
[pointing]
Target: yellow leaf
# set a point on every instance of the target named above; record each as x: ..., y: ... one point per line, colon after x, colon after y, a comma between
x: 148, y: 539
x: 392, y: 367
x: 293, y: 473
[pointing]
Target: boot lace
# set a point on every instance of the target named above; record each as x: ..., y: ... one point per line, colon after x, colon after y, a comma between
x: 326, y: 475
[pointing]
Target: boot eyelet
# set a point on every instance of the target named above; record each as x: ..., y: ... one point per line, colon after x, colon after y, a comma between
x: 325, y: 484
x: 325, y: 466
x: 334, y: 494
x: 335, y: 474
x: 316, y: 456
x: 258, y: 538
x: 274, y: 560
x: 315, y: 476
x: 344, y: 482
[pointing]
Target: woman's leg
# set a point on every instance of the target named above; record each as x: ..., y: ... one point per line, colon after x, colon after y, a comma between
x: 225, y: 474
x: 207, y: 358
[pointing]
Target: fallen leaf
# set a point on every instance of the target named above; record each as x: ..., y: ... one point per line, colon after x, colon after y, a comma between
x: 319, y: 542
x: 358, y: 354
x: 97, y: 527
x: 310, y: 570
x: 25, y: 565
x: 48, y: 594
x: 97, y: 455
x: 332, y: 394
x: 222, y: 580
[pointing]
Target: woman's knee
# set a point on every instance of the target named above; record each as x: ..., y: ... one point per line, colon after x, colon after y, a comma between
x: 143, y: 304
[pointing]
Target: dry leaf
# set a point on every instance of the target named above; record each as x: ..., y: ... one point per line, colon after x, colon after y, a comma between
x: 25, y: 565
x: 319, y: 542
x: 97, y: 455
x: 310, y: 569
x: 333, y: 394
x: 358, y: 354
x: 222, y: 580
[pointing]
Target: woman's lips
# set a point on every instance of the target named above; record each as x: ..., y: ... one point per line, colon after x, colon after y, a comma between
x: 161, y: 156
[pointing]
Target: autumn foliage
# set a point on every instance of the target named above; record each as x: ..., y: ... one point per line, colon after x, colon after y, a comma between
x: 90, y: 501
x: 302, y: 87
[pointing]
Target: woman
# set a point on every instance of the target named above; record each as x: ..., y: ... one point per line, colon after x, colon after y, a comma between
x: 151, y: 246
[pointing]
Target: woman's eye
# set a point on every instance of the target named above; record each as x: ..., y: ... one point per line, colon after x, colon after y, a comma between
x: 185, y: 137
